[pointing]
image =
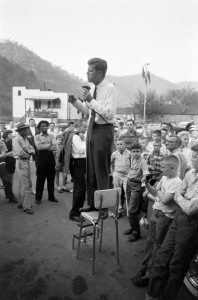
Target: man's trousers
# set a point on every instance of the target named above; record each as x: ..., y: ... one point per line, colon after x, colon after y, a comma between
x: 99, y: 149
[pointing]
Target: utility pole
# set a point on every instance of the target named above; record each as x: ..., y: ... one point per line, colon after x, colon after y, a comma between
x: 146, y: 76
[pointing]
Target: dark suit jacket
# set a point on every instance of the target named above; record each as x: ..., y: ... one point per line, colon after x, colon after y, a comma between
x: 30, y: 136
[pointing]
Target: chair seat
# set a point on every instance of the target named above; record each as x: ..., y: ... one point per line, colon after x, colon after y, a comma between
x: 91, y: 215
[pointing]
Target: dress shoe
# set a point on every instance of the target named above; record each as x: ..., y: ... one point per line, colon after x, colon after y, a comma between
x: 134, y: 238
x: 19, y: 206
x: 37, y: 201
x: 28, y: 211
x: 141, y: 281
x: 75, y: 218
x: 13, y: 200
x: 53, y: 200
x: 128, y: 231
x: 87, y: 209
x: 140, y: 273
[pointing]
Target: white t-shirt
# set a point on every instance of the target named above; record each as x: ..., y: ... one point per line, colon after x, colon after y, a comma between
x: 170, y: 186
x: 78, y: 149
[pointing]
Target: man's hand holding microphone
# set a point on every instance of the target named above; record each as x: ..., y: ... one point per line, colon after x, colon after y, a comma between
x: 85, y: 93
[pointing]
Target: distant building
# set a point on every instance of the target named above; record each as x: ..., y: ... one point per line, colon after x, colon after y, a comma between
x: 47, y: 105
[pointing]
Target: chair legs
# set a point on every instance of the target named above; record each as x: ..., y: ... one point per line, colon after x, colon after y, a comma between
x: 101, y: 233
x: 94, y: 249
x: 79, y: 239
x: 117, y: 242
x: 94, y: 242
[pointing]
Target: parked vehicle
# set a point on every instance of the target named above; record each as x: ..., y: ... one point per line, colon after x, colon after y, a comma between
x: 191, y: 279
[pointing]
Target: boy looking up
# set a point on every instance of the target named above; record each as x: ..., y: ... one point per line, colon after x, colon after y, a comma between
x: 143, y: 143
x: 181, y: 242
x: 156, y: 136
x: 136, y: 176
x: 154, y: 159
x: 120, y: 164
x: 162, y: 215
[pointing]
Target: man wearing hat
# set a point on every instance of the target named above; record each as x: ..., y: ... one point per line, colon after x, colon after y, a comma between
x: 22, y: 151
x: 46, y: 145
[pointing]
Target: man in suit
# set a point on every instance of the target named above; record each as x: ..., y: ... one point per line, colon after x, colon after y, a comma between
x: 100, y: 102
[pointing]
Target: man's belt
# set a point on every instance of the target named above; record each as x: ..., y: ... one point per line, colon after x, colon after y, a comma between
x: 24, y: 158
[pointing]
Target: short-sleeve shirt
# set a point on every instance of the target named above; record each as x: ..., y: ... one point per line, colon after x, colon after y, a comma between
x: 122, y: 162
x: 163, y: 149
x: 170, y: 186
x: 138, y: 169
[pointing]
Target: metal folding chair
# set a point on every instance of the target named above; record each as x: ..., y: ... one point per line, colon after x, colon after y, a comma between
x: 103, y: 199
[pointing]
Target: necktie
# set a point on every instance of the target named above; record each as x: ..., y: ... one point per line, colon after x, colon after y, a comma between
x: 92, y: 119
x: 94, y: 97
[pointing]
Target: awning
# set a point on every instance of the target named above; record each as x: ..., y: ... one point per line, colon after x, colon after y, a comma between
x: 43, y: 98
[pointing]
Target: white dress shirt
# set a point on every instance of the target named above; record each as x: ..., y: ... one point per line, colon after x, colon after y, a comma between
x: 105, y: 105
x: 32, y: 130
x: 78, y: 147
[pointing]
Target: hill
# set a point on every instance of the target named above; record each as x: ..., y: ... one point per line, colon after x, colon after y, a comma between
x: 128, y: 86
x: 21, y: 66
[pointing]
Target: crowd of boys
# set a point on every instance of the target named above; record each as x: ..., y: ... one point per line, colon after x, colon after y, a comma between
x: 162, y: 165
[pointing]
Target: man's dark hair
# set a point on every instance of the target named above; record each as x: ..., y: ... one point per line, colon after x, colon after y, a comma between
x: 136, y: 146
x: 157, y: 132
x: 99, y: 64
x: 121, y: 138
x: 178, y: 140
x: 71, y: 123
x: 5, y: 134
x: 31, y: 119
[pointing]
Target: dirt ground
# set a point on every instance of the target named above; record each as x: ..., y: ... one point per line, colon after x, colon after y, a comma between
x: 37, y: 260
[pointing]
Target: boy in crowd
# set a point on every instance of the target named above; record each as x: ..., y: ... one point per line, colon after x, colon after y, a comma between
x: 143, y: 143
x: 154, y: 159
x: 156, y: 136
x: 162, y: 215
x: 164, y: 133
x: 120, y: 164
x: 136, y: 176
x: 181, y: 242
x: 59, y: 167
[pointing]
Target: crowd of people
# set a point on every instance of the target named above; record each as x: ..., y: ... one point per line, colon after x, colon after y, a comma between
x: 160, y: 165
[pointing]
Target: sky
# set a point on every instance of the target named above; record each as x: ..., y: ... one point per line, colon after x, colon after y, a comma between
x: 127, y: 33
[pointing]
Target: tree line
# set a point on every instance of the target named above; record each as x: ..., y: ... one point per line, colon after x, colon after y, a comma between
x: 185, y: 97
